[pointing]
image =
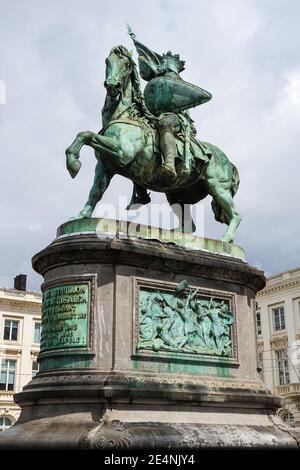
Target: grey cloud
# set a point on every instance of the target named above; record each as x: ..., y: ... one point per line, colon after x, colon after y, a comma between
x: 52, y: 60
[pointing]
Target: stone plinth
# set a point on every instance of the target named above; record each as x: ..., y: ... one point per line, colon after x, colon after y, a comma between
x: 146, y: 343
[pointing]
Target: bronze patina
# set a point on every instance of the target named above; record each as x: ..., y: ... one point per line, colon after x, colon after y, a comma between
x: 151, y: 140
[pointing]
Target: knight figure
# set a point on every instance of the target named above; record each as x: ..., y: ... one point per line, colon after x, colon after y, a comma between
x: 150, y: 138
x: 168, y: 97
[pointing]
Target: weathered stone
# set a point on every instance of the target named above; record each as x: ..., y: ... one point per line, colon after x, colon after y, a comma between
x: 107, y: 391
x: 110, y: 229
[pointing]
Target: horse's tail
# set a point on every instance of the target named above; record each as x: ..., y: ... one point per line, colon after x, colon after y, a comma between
x: 219, y: 213
x: 235, y: 182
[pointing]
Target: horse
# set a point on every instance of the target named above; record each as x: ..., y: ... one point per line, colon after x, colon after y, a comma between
x: 127, y: 146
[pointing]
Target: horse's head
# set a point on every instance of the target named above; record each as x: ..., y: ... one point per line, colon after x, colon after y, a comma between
x: 118, y: 69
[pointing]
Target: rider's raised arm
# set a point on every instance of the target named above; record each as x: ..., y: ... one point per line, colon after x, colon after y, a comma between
x: 148, y: 60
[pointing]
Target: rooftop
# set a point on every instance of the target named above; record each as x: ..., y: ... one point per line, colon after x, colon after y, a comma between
x: 286, y: 279
x: 284, y: 276
x: 7, y: 293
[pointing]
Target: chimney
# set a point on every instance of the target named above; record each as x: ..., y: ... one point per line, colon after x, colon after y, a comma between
x: 20, y: 282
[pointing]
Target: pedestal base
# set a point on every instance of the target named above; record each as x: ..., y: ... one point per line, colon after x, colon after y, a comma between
x: 115, y: 411
x: 74, y: 427
x: 146, y: 344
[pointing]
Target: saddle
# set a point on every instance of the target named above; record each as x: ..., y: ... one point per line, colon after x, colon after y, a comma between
x: 190, y: 150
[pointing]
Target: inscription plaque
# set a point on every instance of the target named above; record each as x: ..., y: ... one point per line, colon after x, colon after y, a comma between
x: 65, y: 316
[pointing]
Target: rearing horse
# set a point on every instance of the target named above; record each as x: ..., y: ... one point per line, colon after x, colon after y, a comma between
x: 127, y: 145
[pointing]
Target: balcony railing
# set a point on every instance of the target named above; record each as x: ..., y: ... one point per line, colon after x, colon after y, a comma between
x: 6, y: 396
x: 288, y: 389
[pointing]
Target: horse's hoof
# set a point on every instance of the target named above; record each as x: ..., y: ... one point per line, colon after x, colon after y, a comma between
x: 138, y: 202
x: 73, y: 165
x: 82, y: 215
x: 77, y: 217
x: 184, y: 230
x: 176, y: 230
x: 226, y: 239
x: 134, y: 207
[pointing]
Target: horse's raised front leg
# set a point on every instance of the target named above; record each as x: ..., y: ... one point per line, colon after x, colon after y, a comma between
x: 98, y: 142
x: 219, y: 182
x: 72, y: 155
x: 103, y: 146
x: 100, y: 184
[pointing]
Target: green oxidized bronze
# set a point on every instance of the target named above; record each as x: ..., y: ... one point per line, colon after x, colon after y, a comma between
x: 65, y: 317
x: 184, y: 322
x: 166, y: 91
x: 151, y: 140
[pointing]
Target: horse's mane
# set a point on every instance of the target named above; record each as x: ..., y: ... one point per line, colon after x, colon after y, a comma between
x: 138, y: 97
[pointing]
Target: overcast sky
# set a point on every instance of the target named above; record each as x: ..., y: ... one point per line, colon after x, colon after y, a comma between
x: 246, y: 53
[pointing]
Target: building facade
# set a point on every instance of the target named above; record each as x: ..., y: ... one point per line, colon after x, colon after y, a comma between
x: 278, y: 340
x: 20, y: 328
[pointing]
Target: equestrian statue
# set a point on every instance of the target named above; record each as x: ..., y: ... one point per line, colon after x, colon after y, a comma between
x: 150, y: 138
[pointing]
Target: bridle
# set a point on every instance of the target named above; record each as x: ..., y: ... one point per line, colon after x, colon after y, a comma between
x: 117, y: 80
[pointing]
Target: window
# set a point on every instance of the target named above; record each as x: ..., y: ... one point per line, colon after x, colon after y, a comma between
x: 278, y: 319
x: 289, y: 419
x: 4, y: 423
x: 37, y: 332
x: 35, y: 368
x: 7, y: 375
x: 11, y: 330
x: 258, y: 324
x: 283, y: 367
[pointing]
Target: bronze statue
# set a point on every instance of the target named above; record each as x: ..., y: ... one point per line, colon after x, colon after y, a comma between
x: 168, y: 96
x: 150, y: 139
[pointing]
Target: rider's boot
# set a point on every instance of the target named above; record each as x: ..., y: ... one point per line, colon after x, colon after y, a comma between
x: 169, y: 152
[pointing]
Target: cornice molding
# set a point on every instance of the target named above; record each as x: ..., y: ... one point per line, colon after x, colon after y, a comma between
x: 279, y: 341
x: 88, y: 248
x: 284, y: 285
x: 22, y: 303
x: 6, y: 397
x: 11, y: 350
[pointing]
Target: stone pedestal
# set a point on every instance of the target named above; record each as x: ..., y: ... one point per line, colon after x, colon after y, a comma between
x: 147, y: 342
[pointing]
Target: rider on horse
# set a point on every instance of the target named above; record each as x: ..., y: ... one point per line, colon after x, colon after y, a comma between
x: 167, y: 96
x: 127, y: 143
